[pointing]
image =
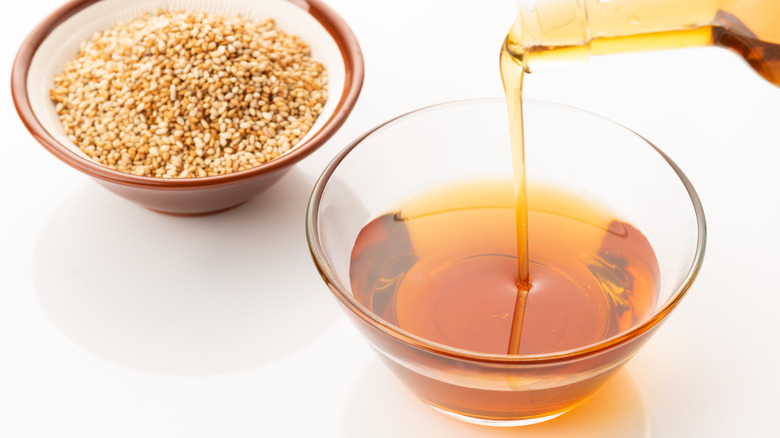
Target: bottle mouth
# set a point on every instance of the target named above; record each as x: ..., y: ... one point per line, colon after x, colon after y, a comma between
x: 516, y: 53
x: 549, y: 31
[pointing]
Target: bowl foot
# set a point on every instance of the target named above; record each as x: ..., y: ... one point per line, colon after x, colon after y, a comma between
x: 498, y: 423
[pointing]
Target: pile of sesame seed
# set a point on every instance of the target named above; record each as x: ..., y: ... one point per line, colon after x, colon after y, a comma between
x: 189, y: 94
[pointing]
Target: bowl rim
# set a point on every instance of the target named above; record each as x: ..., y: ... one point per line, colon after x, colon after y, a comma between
x: 320, y: 260
x: 354, y: 72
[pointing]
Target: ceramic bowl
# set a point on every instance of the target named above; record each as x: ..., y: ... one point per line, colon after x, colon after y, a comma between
x: 56, y: 40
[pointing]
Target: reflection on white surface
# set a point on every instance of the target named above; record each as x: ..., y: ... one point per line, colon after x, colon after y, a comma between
x: 186, y: 296
x: 380, y: 406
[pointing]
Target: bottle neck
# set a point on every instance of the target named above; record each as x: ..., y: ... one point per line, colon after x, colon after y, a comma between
x: 572, y: 30
x: 615, y: 18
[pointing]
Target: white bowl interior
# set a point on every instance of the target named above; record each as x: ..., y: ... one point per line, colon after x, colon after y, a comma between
x: 64, y: 42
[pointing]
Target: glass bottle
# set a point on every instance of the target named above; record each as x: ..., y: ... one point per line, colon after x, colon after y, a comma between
x: 555, y: 30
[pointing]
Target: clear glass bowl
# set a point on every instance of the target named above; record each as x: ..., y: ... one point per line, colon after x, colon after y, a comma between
x: 469, y: 140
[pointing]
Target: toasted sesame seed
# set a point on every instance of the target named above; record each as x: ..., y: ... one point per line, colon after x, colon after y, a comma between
x: 187, y: 94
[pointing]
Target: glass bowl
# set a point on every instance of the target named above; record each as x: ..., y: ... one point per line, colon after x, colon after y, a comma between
x: 464, y: 140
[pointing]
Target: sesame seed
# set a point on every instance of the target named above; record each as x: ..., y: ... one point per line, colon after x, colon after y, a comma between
x: 185, y: 94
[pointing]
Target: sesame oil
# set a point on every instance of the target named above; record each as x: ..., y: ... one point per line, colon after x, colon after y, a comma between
x: 443, y: 284
x: 517, y: 268
x: 444, y: 267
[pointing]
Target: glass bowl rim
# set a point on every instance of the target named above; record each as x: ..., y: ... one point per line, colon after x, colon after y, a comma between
x: 362, y: 312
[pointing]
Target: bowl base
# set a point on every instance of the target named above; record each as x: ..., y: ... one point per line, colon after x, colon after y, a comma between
x: 498, y: 423
x: 196, y: 214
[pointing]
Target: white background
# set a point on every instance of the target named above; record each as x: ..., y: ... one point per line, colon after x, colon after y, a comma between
x: 119, y: 322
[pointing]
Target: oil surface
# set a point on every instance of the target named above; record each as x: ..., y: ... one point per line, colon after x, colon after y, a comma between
x: 444, y: 267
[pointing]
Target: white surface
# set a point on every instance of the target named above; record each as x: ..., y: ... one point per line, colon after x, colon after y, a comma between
x: 118, y: 322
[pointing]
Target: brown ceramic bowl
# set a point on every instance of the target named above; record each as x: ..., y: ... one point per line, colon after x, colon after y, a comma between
x: 57, y: 38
